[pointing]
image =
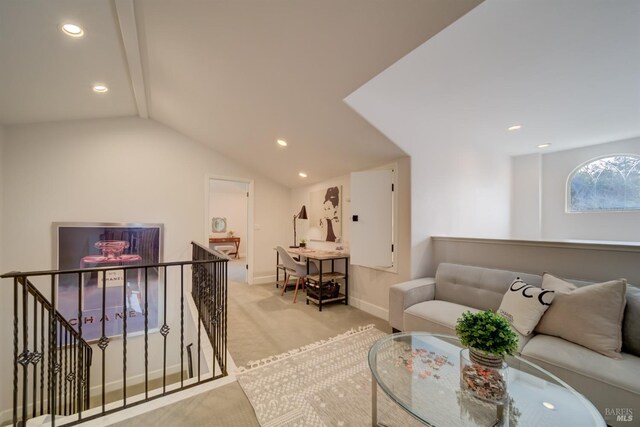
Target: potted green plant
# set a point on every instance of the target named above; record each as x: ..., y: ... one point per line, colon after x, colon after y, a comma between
x: 488, y: 335
x: 303, y: 243
x: 482, y: 369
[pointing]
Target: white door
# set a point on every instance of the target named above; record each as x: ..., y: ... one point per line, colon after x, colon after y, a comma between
x: 372, y: 218
x: 228, y: 216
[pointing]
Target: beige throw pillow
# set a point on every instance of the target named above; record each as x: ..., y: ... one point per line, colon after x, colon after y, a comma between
x: 590, y: 315
x: 523, y: 305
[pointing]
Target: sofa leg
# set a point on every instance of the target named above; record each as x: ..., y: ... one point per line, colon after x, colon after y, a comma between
x: 395, y: 331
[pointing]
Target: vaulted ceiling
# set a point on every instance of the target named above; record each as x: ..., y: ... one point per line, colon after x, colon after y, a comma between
x: 46, y: 75
x: 238, y: 74
x: 567, y: 71
x: 232, y: 74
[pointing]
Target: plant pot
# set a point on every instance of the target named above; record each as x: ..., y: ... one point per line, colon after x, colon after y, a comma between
x: 302, y: 244
x: 484, y: 358
x: 487, y: 382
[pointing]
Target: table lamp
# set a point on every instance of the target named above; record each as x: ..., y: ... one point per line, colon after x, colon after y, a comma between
x: 301, y: 215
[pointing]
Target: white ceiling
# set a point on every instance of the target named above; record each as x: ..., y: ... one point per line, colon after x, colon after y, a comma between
x: 233, y: 74
x: 567, y: 70
x: 47, y: 76
x: 238, y: 74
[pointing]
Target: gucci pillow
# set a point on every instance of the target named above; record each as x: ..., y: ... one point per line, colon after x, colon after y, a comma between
x: 523, y: 305
x: 590, y: 315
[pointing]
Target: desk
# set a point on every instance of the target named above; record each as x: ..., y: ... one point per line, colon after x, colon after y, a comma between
x: 320, y: 256
x: 234, y: 240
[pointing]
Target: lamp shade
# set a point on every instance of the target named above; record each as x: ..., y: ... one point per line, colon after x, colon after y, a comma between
x: 303, y: 213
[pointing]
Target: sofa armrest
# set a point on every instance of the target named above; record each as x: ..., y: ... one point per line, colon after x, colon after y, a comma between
x: 404, y: 295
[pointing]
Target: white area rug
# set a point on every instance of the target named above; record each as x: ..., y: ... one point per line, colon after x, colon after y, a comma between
x: 323, y: 384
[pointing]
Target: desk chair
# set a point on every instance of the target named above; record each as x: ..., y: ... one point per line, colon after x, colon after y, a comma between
x: 295, y: 269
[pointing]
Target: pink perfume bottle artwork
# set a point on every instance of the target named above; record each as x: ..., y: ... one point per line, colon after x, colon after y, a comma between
x: 118, y: 292
x: 111, y: 254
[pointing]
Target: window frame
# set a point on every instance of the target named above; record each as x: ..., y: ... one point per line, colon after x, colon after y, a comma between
x: 567, y: 190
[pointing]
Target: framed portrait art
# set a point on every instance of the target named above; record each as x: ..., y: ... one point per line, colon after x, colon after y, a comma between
x: 326, y: 213
x: 125, y: 293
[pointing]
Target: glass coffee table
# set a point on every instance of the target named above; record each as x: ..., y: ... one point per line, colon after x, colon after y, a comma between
x: 421, y: 373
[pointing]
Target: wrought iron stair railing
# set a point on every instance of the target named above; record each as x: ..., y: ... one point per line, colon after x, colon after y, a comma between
x: 209, y: 292
x: 48, y: 345
x: 53, y: 360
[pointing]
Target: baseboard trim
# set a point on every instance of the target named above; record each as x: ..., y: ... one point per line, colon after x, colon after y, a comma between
x: 367, y: 307
x: 133, y: 380
x: 154, y: 404
x: 261, y: 280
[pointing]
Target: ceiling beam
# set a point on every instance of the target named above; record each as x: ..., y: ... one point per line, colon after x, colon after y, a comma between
x: 129, y: 31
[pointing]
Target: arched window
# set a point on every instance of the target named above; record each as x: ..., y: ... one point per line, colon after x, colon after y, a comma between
x: 609, y: 183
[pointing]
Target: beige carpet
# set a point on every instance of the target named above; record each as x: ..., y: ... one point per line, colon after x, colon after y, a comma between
x: 323, y: 384
x: 261, y: 323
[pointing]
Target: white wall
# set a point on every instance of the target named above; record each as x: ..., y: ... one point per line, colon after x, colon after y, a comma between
x: 117, y: 170
x: 229, y: 200
x: 368, y: 288
x: 5, y: 300
x: 558, y: 224
x: 456, y: 191
x: 123, y: 170
x: 525, y: 196
x: 555, y: 222
x: 439, y: 105
x: 1, y: 196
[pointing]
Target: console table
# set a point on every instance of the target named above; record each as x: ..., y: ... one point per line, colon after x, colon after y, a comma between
x: 234, y: 240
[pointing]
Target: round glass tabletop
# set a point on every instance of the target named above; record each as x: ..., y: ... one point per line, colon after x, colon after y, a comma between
x: 421, y: 373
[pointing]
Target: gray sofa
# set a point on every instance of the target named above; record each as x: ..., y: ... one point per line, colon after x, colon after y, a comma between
x: 434, y: 305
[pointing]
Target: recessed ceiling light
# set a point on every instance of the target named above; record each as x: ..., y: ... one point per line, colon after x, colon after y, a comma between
x: 514, y: 127
x: 548, y: 405
x: 72, y: 30
x: 544, y: 145
x: 100, y: 88
x: 282, y: 142
x: 302, y: 174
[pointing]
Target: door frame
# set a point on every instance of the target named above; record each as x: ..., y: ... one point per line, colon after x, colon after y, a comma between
x: 250, y: 216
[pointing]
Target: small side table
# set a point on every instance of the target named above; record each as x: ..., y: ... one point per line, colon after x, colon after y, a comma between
x: 234, y: 240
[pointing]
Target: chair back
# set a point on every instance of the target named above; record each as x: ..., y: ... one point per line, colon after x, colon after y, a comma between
x: 296, y: 268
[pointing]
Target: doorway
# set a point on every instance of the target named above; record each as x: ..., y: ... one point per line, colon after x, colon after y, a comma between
x: 229, y: 224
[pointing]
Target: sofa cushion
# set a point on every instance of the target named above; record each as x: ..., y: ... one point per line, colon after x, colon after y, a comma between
x: 580, y: 360
x: 406, y: 294
x: 440, y: 317
x: 477, y: 287
x: 631, y: 322
x: 523, y: 305
x: 590, y: 316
